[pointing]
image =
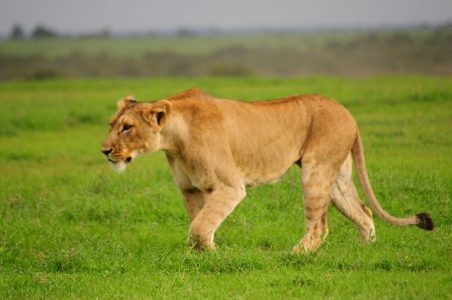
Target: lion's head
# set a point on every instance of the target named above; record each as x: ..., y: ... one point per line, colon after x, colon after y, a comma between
x: 134, y: 129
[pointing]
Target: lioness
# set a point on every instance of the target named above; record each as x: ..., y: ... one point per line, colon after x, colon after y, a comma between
x: 217, y: 147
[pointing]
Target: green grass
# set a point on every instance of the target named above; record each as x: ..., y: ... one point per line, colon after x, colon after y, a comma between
x: 72, y: 228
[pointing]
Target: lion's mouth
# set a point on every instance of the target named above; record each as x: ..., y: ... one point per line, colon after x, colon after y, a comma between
x: 126, y: 160
x: 119, y: 162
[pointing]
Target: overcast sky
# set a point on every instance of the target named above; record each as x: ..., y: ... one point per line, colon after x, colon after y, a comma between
x: 72, y: 16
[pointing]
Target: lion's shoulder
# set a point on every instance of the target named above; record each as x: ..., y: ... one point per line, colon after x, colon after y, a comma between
x: 190, y: 93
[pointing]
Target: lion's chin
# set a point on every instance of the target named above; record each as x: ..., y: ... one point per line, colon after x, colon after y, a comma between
x: 119, y: 166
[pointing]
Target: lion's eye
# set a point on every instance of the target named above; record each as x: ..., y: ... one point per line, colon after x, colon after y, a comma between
x: 126, y: 127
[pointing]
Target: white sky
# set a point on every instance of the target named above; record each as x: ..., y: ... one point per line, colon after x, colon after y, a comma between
x: 71, y: 16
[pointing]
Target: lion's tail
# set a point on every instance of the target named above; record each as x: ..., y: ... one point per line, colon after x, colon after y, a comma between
x: 422, y: 220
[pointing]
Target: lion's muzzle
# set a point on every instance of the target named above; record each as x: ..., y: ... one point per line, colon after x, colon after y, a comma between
x: 106, y: 151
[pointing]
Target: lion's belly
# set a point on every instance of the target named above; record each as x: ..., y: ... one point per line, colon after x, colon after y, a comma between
x: 259, y: 169
x: 256, y: 179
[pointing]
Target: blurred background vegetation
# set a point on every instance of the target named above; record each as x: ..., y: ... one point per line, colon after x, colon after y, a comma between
x: 44, y: 53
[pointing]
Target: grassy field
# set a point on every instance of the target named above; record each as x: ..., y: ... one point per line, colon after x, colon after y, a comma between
x: 72, y: 228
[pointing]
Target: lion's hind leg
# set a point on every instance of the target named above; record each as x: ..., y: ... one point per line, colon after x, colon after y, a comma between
x: 317, y: 180
x: 346, y: 199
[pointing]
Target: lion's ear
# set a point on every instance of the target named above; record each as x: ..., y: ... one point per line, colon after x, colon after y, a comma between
x: 126, y: 101
x: 157, y: 113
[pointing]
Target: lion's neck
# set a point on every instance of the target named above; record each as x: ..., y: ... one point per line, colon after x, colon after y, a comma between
x: 173, y: 135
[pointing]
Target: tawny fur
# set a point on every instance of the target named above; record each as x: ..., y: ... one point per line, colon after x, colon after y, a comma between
x: 218, y: 147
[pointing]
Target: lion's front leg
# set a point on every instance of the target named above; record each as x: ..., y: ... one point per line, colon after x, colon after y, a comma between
x: 194, y: 197
x: 194, y: 201
x: 219, y: 203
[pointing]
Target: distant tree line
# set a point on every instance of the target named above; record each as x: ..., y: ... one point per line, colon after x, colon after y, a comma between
x: 42, y: 31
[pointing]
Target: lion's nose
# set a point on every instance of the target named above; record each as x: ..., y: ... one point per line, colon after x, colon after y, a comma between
x: 106, y: 151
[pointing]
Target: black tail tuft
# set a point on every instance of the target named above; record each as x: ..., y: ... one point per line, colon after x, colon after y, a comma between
x: 424, y: 221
